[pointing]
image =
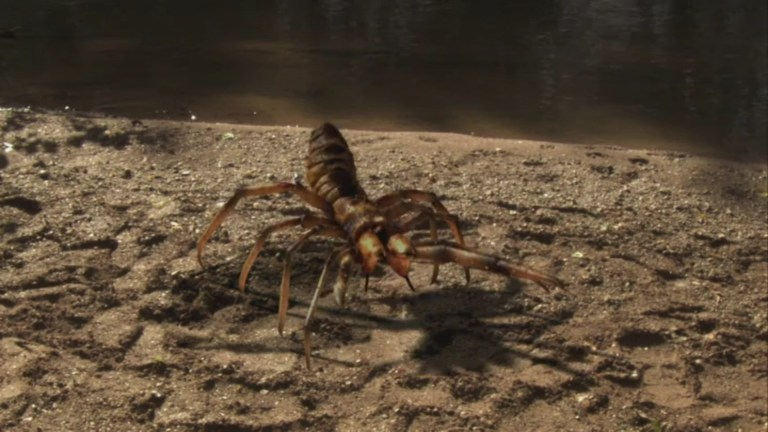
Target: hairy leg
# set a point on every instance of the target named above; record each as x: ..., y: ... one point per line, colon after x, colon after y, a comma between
x: 305, y: 194
x: 285, y: 284
x: 414, y: 222
x: 332, y: 259
x: 307, y: 221
x: 395, y: 209
x: 345, y: 268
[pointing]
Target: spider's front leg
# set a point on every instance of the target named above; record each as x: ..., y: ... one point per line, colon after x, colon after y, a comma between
x: 344, y: 256
x: 403, y: 201
x: 285, y: 284
x: 423, y: 214
x: 467, y: 258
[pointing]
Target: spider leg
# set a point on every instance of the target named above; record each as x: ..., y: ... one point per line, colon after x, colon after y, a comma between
x: 397, y: 209
x: 477, y: 260
x: 345, y: 268
x: 305, y: 194
x: 285, y: 284
x: 342, y: 252
x: 307, y: 221
x: 418, y: 197
x: 415, y: 221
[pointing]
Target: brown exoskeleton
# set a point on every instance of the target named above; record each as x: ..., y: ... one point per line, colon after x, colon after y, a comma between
x: 371, y: 231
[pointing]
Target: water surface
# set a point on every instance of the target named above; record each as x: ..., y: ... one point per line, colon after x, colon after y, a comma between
x: 673, y: 74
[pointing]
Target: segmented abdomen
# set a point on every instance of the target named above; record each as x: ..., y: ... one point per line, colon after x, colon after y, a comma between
x: 330, y: 167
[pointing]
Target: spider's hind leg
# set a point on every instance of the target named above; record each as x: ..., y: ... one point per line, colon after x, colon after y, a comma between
x: 305, y: 194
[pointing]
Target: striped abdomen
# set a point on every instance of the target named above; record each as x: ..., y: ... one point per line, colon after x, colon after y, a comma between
x: 330, y: 167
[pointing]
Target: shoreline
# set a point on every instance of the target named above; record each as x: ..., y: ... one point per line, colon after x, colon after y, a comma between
x: 750, y: 155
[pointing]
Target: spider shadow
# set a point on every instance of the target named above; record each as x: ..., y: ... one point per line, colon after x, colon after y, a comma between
x: 462, y: 327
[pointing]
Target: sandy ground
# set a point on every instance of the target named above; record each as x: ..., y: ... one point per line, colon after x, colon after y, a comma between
x: 107, y: 322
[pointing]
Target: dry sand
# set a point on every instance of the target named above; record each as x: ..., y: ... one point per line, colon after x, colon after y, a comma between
x: 108, y: 323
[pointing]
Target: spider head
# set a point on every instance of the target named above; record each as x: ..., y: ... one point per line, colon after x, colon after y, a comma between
x: 398, y: 249
x: 371, y: 247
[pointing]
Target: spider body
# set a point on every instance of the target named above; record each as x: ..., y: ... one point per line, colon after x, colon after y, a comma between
x: 372, y: 232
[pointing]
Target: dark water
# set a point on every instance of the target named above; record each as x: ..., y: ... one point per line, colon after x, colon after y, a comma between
x: 688, y: 75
